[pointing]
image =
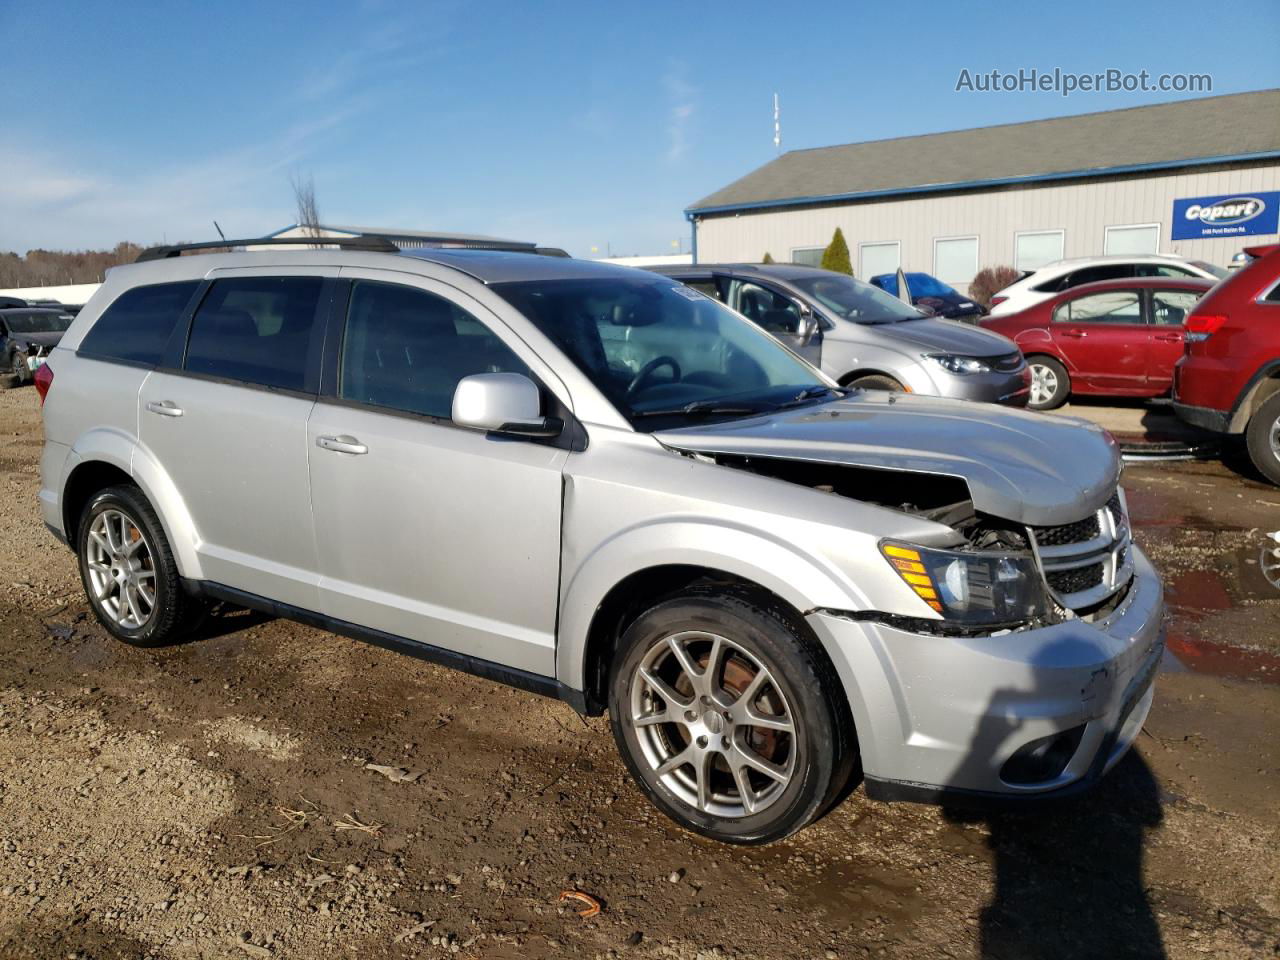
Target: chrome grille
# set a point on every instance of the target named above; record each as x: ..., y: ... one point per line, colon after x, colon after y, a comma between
x: 1086, y: 561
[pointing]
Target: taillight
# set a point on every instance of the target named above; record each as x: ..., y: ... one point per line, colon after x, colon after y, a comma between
x: 1201, y: 326
x: 44, y: 380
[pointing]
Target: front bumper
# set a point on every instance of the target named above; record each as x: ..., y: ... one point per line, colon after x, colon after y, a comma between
x: 940, y: 717
x: 1011, y: 389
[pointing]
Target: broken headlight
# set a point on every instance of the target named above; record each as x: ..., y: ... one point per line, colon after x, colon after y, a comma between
x: 976, y: 589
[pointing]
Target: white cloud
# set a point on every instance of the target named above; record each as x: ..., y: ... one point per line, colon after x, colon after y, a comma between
x: 681, y: 97
x: 45, y: 201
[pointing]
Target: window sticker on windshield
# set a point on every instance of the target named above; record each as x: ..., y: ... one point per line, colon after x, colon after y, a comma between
x: 689, y: 293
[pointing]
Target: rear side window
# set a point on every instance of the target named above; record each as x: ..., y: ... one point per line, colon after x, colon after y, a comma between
x: 1106, y: 271
x: 137, y: 325
x: 260, y: 330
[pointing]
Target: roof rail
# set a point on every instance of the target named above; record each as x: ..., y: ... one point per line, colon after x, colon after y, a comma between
x: 368, y: 243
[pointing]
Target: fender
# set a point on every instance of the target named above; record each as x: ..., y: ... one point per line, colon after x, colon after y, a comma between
x: 1251, y: 396
x: 773, y: 564
x: 121, y: 450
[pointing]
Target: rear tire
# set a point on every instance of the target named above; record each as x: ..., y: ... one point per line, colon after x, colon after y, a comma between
x: 1050, y: 383
x: 701, y: 753
x: 877, y: 381
x: 1263, y: 437
x: 128, y: 570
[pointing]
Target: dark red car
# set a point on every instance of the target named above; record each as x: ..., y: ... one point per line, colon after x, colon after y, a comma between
x: 1114, y: 338
x: 1229, y: 380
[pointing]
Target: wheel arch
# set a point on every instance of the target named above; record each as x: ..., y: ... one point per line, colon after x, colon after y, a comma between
x: 626, y: 576
x: 861, y: 372
x: 1262, y: 386
x: 107, y: 457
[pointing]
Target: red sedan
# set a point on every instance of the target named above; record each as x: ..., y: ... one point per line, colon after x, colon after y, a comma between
x: 1115, y: 338
x: 1230, y: 378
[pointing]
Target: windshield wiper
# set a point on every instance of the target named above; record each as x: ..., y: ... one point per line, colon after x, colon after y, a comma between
x: 812, y: 393
x: 707, y: 408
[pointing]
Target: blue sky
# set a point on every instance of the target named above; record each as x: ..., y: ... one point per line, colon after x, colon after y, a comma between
x: 573, y: 124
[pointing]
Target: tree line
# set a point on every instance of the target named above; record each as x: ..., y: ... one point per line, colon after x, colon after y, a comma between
x: 45, y: 268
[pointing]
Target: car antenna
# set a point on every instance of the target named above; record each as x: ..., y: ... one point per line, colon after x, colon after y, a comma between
x: 219, y: 229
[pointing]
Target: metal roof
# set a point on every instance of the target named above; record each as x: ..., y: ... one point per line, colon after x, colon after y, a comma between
x: 1187, y: 133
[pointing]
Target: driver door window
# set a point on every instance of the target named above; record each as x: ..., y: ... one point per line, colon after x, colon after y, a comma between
x: 767, y: 308
x: 407, y: 349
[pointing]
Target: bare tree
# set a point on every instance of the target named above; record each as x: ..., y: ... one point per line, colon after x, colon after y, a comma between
x: 304, y: 196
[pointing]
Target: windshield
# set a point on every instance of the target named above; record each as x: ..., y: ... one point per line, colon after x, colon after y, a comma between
x: 921, y: 284
x: 51, y: 322
x: 854, y: 300
x: 661, y: 351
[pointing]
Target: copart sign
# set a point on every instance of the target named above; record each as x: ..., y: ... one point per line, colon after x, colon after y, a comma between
x: 1228, y: 215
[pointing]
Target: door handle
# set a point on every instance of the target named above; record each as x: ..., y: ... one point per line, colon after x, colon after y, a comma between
x: 1169, y: 337
x: 166, y: 408
x: 342, y: 444
x: 1078, y: 334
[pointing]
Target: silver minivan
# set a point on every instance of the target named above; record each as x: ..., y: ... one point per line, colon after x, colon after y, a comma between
x: 862, y: 336
x: 600, y: 485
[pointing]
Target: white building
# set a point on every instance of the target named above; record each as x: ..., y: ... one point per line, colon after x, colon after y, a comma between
x: 1199, y: 178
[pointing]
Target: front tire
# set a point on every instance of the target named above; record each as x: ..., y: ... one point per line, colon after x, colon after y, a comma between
x: 128, y: 569
x: 1050, y: 383
x: 1263, y: 438
x: 729, y: 717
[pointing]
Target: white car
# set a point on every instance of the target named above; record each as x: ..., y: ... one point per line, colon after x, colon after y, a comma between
x: 1061, y: 275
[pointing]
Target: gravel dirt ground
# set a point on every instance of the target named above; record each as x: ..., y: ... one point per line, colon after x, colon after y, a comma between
x: 222, y: 798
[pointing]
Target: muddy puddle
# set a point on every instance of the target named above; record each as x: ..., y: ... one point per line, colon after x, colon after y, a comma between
x: 1196, y: 597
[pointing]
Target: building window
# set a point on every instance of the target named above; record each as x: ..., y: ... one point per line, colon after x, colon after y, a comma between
x: 955, y: 259
x: 1032, y: 249
x: 1132, y: 238
x: 807, y: 256
x: 877, y: 258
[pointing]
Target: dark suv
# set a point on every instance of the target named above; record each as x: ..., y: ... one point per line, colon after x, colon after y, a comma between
x: 27, y: 334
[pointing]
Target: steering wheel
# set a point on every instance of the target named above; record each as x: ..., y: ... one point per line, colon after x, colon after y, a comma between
x: 647, y: 371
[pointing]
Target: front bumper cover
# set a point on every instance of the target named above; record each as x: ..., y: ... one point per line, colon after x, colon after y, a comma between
x: 938, y: 717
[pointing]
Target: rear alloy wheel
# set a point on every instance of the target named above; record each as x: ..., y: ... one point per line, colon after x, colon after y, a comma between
x: 1263, y: 437
x: 1050, y: 383
x: 128, y: 570
x: 727, y: 718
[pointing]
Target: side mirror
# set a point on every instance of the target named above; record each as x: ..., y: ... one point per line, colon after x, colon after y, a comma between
x: 507, y: 403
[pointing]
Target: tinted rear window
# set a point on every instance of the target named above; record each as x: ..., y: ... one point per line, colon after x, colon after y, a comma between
x: 137, y: 325
x: 260, y: 330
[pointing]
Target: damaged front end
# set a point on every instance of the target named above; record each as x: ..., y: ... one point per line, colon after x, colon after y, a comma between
x: 999, y: 576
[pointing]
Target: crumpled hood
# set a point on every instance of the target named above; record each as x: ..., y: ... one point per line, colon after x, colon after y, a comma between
x: 946, y: 336
x: 1027, y: 467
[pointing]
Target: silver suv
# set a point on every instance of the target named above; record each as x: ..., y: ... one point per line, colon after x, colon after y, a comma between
x: 598, y: 484
x: 865, y: 337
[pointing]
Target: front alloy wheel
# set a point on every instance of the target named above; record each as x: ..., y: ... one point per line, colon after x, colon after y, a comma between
x: 729, y: 715
x: 713, y: 724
